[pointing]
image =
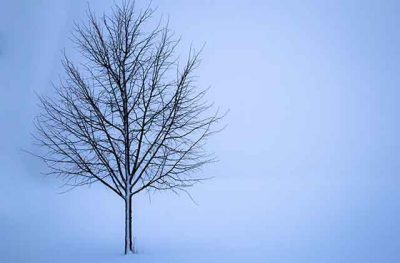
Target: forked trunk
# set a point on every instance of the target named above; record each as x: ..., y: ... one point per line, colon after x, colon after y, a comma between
x: 129, y: 246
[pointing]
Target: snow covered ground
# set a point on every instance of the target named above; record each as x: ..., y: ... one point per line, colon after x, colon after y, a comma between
x: 255, y: 219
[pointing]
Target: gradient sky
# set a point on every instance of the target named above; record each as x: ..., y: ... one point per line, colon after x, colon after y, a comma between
x: 309, y: 162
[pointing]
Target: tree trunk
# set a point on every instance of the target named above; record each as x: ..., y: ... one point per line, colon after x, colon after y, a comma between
x: 129, y: 248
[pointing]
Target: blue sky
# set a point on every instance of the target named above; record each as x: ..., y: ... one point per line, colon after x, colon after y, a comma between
x: 309, y: 162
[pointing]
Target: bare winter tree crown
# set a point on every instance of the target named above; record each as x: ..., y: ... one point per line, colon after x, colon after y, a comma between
x: 128, y: 116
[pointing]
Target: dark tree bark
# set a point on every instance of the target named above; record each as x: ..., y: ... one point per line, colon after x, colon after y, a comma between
x: 127, y: 116
x: 129, y: 246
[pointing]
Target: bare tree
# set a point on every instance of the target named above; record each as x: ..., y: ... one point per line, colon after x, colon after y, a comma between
x: 128, y: 116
